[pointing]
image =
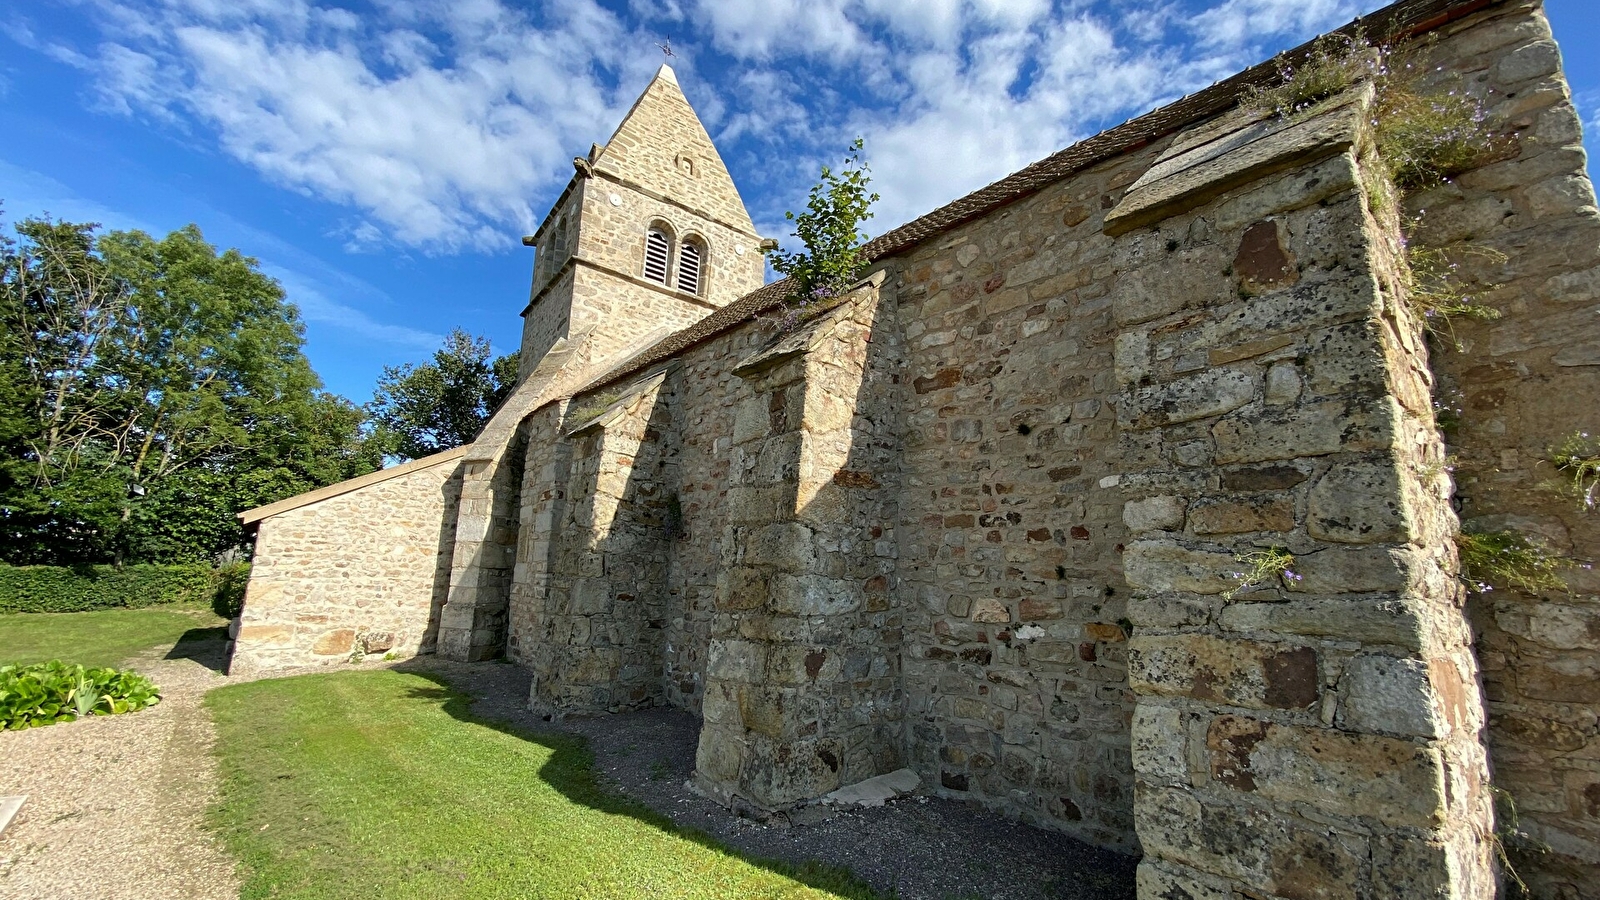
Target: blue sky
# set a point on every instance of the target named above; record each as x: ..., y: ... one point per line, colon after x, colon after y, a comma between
x: 381, y: 158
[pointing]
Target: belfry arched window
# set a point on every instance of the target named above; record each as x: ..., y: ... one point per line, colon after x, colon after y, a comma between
x: 657, y: 255
x: 691, y: 262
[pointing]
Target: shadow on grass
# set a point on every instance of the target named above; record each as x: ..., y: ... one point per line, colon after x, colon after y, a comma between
x: 206, y: 646
x: 570, y: 770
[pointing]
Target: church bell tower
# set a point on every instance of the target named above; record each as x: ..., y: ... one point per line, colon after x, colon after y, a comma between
x: 649, y: 236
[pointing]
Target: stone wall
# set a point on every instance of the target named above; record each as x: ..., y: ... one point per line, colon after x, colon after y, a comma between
x: 365, y: 569
x: 1517, y: 387
x: 1010, y: 564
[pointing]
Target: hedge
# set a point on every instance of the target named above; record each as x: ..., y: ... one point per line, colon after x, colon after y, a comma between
x: 83, y: 588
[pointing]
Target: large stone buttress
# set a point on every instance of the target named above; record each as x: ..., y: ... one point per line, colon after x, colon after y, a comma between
x: 803, y: 678
x: 1316, y: 721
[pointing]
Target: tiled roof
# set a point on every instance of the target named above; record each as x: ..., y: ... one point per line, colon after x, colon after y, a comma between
x: 1396, y: 21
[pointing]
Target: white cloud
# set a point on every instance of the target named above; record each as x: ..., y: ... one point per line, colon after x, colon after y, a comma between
x: 1241, y: 23
x: 445, y: 143
x: 447, y: 125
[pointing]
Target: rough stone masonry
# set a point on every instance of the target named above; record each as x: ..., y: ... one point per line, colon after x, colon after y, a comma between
x: 984, y: 516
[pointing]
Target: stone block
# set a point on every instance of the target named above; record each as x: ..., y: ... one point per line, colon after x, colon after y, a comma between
x: 1397, y: 782
x: 1208, y: 393
x: 1394, y: 622
x: 743, y: 661
x: 813, y: 595
x: 1157, y: 565
x: 1309, y: 429
x: 266, y: 635
x: 1387, y: 695
x: 1339, y: 570
x: 1359, y: 503
x: 1154, y: 514
x: 1187, y: 178
x: 1169, y: 882
x: 741, y: 588
x: 1274, y: 854
x: 991, y: 611
x: 1160, y: 745
x: 338, y: 642
x: 1237, y: 515
x: 1231, y: 671
x: 1565, y: 627
x: 1131, y: 356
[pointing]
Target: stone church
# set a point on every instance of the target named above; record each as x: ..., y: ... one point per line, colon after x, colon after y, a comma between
x: 1118, y: 496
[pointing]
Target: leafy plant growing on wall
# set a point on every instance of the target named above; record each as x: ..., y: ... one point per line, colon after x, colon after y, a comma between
x: 1438, y: 293
x: 1422, y: 139
x: 1577, y: 458
x: 1507, y: 559
x: 1261, y: 566
x: 830, y: 230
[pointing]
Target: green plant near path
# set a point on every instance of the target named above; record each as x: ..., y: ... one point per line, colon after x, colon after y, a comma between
x: 106, y: 637
x: 380, y: 784
x: 46, y: 693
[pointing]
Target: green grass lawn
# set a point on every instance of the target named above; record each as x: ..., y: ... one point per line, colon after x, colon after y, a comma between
x: 379, y: 784
x: 102, y: 638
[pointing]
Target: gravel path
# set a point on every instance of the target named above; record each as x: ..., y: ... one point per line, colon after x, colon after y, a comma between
x: 116, y: 804
x: 924, y: 848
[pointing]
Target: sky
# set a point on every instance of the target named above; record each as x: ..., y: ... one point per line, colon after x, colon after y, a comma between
x: 383, y: 158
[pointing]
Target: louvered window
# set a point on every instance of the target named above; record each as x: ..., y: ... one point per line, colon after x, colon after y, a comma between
x: 657, y: 253
x: 689, y: 268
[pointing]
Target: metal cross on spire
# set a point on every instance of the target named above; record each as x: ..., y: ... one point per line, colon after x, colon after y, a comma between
x: 666, y: 49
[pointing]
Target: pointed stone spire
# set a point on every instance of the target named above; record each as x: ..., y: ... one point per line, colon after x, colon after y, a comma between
x: 662, y: 147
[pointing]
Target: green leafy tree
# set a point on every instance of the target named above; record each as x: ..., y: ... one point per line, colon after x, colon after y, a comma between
x: 159, y: 388
x: 830, y: 229
x: 419, y: 410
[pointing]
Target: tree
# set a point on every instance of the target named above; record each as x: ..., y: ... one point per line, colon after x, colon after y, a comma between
x: 159, y: 388
x: 421, y: 410
x: 830, y: 231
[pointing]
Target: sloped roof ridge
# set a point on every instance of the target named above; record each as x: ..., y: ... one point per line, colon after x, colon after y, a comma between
x: 339, y: 488
x: 1406, y: 18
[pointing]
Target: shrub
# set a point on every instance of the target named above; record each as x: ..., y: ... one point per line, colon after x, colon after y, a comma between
x: 1437, y: 293
x: 1422, y: 139
x: 46, y: 693
x: 84, y: 588
x: 1507, y: 559
x: 830, y: 229
x: 228, y: 584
